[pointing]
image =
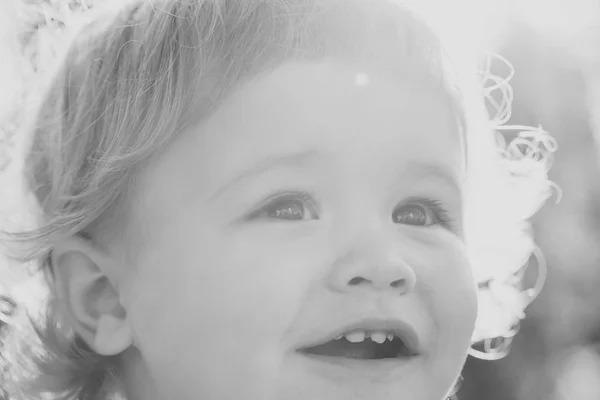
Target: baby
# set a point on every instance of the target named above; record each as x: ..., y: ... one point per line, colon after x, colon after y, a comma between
x: 257, y: 199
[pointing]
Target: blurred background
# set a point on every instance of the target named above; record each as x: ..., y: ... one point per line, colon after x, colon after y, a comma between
x: 554, y: 46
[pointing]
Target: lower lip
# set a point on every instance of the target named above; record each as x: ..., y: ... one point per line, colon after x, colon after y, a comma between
x: 388, y: 369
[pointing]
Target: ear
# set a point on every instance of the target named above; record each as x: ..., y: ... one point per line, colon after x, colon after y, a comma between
x: 85, y: 284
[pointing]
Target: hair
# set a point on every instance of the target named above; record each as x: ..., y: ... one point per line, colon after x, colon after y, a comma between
x: 135, y: 76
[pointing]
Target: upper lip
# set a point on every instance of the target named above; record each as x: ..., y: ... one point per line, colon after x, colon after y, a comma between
x: 398, y: 327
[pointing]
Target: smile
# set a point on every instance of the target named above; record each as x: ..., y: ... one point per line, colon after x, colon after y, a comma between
x: 373, y: 349
x: 363, y: 345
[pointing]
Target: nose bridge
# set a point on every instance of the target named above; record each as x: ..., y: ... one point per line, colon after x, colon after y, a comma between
x: 372, y: 260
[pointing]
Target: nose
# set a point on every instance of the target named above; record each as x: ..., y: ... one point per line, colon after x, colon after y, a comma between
x: 384, y: 271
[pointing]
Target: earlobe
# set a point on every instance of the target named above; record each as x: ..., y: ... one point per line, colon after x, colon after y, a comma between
x: 112, y: 337
x: 84, y: 282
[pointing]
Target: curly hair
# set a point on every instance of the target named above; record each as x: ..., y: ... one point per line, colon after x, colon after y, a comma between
x: 122, y: 90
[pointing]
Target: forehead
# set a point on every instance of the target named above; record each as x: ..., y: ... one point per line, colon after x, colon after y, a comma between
x: 329, y: 105
x: 361, y: 120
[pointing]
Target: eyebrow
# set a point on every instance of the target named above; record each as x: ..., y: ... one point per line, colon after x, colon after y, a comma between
x: 421, y: 170
x: 414, y: 169
x: 276, y: 161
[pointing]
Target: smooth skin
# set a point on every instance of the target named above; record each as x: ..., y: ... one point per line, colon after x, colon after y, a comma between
x: 245, y: 237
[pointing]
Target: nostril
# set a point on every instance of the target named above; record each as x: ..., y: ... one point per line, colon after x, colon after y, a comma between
x: 357, y: 281
x: 397, y: 283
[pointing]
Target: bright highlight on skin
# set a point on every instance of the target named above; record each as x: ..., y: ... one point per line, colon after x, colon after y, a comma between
x: 362, y: 79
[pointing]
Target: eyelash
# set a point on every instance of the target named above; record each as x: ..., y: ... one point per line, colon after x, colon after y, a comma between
x: 441, y: 216
x: 305, y: 196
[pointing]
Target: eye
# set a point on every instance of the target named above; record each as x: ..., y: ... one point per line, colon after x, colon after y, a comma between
x: 289, y: 207
x: 425, y: 212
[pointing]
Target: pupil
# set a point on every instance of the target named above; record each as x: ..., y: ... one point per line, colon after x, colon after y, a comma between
x: 412, y: 215
x: 293, y: 211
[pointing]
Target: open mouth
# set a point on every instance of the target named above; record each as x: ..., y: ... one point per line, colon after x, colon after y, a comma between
x: 364, y: 345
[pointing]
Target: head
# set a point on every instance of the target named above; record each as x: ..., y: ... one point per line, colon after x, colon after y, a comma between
x: 227, y: 187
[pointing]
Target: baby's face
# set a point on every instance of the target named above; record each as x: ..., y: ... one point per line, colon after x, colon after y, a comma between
x: 321, y: 200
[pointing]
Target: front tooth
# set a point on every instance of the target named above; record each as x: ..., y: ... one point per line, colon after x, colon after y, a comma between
x: 390, y: 336
x: 356, y: 336
x: 378, y: 337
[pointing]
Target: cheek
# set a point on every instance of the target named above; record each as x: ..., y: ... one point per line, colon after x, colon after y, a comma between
x: 449, y: 290
x: 449, y: 286
x: 455, y: 297
x: 217, y: 300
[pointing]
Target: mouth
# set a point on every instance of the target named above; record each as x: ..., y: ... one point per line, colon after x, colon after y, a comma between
x: 368, y: 341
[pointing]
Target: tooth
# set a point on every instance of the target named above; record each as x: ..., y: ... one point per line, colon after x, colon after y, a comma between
x: 356, y: 336
x: 390, y: 336
x: 378, y: 337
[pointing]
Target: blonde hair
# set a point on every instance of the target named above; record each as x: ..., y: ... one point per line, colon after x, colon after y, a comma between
x: 133, y: 78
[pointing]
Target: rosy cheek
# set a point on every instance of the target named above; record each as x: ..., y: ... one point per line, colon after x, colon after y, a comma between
x: 448, y: 283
